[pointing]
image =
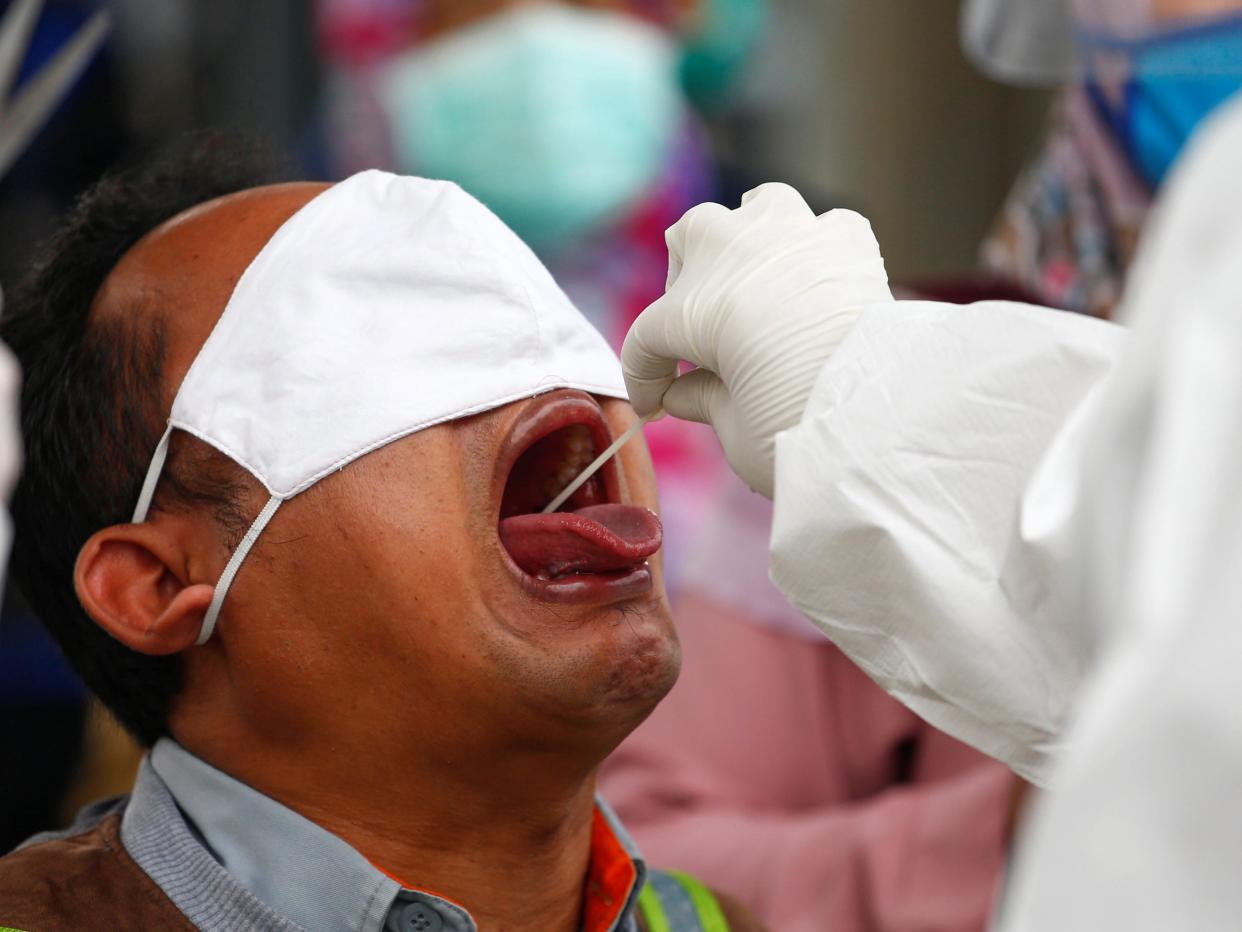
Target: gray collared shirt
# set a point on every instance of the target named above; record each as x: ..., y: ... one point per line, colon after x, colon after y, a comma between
x: 224, y: 850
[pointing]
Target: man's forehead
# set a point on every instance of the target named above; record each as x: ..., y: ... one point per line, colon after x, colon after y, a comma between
x: 186, y: 269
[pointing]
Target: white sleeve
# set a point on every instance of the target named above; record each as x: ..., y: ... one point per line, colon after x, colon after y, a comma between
x: 922, y: 512
x: 1145, y: 829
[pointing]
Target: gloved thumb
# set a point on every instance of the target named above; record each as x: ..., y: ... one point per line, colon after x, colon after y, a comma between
x: 699, y: 395
x: 657, y: 342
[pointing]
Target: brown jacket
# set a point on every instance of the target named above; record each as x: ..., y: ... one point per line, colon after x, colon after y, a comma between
x: 83, y: 881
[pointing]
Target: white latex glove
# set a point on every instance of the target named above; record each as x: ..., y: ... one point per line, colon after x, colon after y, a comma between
x: 758, y: 298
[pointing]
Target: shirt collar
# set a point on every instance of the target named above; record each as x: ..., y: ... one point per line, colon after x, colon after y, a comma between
x: 615, y: 876
x: 315, y: 879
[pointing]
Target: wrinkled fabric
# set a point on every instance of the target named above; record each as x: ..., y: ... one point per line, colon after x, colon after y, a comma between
x: 1145, y: 831
x: 776, y: 771
x: 751, y: 381
x: 1111, y: 542
x: 897, y: 528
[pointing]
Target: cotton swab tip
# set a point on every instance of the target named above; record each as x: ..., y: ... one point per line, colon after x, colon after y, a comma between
x: 599, y: 461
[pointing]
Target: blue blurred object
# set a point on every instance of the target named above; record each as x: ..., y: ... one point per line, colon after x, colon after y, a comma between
x: 42, y: 720
x: 31, y: 668
x: 1177, y: 79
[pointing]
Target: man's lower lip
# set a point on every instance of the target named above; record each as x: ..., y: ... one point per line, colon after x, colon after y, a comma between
x: 591, y: 588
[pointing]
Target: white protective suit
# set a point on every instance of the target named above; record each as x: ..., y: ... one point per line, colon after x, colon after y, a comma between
x: 999, y: 524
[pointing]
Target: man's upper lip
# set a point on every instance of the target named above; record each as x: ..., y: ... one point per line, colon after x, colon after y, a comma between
x: 545, y: 415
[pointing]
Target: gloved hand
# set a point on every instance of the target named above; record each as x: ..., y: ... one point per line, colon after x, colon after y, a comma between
x: 758, y: 298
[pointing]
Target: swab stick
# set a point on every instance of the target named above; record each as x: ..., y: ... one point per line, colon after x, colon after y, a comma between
x: 599, y: 461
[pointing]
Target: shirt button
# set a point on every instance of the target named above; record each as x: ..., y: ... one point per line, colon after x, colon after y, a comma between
x: 419, y: 917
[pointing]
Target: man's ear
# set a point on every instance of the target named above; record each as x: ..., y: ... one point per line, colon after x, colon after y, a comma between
x: 130, y: 578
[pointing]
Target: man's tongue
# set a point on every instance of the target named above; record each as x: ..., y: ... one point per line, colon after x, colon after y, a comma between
x: 595, y: 539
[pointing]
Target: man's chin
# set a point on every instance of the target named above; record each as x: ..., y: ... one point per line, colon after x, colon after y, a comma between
x: 625, y: 660
x: 642, y: 662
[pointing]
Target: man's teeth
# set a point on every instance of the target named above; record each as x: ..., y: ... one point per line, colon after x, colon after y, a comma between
x: 579, y: 451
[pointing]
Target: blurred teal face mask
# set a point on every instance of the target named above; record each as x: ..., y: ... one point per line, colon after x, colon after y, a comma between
x: 559, y: 119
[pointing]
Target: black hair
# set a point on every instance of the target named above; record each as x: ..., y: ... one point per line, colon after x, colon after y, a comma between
x: 92, y: 409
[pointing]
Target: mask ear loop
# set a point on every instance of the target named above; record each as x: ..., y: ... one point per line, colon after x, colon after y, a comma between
x: 234, y: 564
x: 153, y: 478
x: 154, y: 471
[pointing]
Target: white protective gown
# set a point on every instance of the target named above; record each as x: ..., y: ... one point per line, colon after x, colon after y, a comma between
x: 1028, y: 527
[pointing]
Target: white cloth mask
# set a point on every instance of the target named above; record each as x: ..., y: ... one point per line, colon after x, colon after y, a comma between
x: 384, y: 306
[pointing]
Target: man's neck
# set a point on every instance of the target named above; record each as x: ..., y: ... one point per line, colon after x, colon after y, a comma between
x: 510, y: 846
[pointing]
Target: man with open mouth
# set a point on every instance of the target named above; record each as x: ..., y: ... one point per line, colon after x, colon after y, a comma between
x: 376, y: 681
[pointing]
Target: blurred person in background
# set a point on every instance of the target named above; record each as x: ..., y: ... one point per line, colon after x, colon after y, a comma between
x: 1070, y: 227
